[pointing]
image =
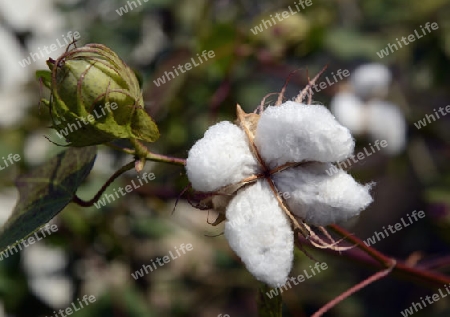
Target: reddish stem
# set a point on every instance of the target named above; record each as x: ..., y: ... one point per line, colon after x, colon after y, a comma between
x: 375, y: 277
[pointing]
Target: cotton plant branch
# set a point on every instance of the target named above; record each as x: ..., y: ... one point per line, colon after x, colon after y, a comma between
x: 379, y: 259
x: 361, y: 253
x: 420, y: 274
x: 145, y: 153
x: 150, y: 156
x: 371, y: 279
x: 89, y: 203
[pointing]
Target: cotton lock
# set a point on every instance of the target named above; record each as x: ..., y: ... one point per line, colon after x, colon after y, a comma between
x: 285, y: 149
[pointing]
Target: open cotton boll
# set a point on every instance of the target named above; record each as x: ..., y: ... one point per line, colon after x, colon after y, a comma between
x: 322, y: 198
x: 371, y: 80
x: 294, y: 132
x: 349, y: 111
x: 222, y: 157
x: 259, y: 232
x: 386, y: 122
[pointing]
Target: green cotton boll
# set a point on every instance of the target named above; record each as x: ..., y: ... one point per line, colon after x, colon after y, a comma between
x: 96, y: 98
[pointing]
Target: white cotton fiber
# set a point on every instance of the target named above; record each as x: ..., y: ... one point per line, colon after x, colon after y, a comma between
x: 222, y: 157
x: 296, y: 132
x: 349, y: 111
x: 322, y: 198
x: 371, y: 81
x: 260, y: 233
x: 386, y: 122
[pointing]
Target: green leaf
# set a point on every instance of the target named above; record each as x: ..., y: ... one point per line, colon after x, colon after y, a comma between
x: 45, y: 191
x: 269, y: 307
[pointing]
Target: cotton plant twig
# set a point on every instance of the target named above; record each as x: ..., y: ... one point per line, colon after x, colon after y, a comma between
x: 318, y: 242
x: 283, y: 90
x: 89, y: 203
x: 311, y: 83
x: 151, y: 156
x: 280, y: 94
x: 417, y: 274
x: 371, y: 279
x: 260, y: 108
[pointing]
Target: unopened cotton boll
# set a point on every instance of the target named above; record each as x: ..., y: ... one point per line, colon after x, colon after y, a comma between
x: 294, y: 132
x: 386, y: 122
x: 349, y: 111
x: 260, y: 233
x: 371, y: 80
x: 222, y: 157
x: 319, y: 198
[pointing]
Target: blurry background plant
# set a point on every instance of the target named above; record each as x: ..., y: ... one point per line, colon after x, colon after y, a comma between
x: 94, y: 251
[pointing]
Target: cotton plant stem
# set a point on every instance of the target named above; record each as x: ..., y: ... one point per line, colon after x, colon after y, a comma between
x: 375, y: 277
x: 165, y: 159
x: 381, y: 258
x: 97, y: 196
x: 121, y: 149
x: 417, y: 273
x: 143, y: 151
x: 151, y: 156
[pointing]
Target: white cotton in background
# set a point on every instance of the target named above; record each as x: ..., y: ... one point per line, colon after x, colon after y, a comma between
x: 371, y: 80
x: 45, y: 267
x: 222, y: 157
x: 349, y: 111
x: 294, y: 132
x: 260, y: 233
x: 153, y: 41
x: 36, y: 44
x: 386, y: 122
x: 321, y: 199
x: 104, y: 163
x: 2, y: 310
x: 8, y: 200
x: 11, y: 73
x: 14, y: 95
x: 36, y: 16
x: 37, y: 149
x: 39, y: 259
x: 14, y: 105
x: 55, y: 291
